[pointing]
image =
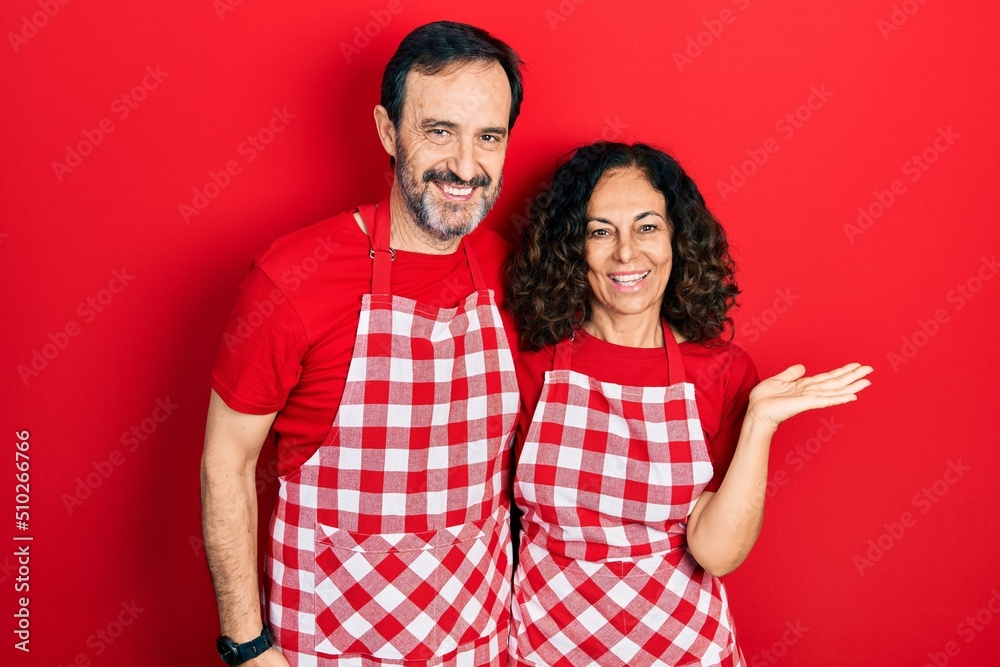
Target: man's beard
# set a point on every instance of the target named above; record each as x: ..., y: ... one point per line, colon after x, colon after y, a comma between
x: 443, y: 220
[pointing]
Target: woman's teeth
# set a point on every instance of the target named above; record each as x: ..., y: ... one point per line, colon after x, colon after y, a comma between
x: 629, y: 279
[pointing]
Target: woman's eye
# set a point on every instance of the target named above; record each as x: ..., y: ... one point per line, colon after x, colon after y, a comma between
x: 599, y: 232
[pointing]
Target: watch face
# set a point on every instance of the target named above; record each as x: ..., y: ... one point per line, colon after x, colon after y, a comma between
x: 227, y: 650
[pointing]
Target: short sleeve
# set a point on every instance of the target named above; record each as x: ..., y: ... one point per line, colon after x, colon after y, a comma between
x: 741, y: 379
x: 260, y: 358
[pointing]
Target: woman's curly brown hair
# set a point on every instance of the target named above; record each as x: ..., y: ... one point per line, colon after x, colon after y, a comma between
x: 547, y: 288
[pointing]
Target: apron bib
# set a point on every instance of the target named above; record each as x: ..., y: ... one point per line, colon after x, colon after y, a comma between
x: 391, y: 544
x: 607, y: 477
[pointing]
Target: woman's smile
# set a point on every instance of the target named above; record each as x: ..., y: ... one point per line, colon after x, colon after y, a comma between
x: 629, y: 281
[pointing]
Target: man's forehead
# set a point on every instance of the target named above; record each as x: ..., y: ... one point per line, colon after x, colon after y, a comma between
x: 478, y: 88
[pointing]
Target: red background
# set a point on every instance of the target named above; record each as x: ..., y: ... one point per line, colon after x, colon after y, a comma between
x: 595, y: 69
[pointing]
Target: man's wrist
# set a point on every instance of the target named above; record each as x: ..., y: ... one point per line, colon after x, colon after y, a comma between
x: 233, y: 652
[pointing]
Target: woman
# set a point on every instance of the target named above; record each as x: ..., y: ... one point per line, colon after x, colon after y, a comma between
x: 643, y: 440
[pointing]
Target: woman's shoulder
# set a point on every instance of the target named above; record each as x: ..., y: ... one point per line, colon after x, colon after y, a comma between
x: 535, y: 362
x: 719, y: 362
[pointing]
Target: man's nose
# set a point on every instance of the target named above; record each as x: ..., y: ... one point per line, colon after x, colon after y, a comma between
x: 462, y: 163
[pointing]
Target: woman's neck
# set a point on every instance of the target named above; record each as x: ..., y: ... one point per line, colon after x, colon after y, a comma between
x: 638, y: 330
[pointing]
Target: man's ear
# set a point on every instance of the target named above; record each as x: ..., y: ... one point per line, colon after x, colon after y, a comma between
x: 386, y: 130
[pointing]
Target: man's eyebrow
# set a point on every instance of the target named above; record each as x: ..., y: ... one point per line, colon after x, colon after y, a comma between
x: 428, y: 123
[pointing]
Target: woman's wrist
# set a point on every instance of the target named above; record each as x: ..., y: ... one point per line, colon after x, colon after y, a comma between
x: 759, y: 423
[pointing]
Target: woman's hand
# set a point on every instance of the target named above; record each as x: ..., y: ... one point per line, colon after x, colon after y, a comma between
x: 788, y: 393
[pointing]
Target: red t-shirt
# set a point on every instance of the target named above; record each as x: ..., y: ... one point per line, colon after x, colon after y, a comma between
x: 722, y: 377
x: 289, y: 341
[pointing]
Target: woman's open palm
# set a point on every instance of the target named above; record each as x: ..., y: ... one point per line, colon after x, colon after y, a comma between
x: 788, y: 393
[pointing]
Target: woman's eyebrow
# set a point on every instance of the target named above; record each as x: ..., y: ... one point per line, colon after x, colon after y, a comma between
x: 646, y: 214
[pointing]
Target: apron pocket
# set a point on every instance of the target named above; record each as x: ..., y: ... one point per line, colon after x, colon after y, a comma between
x: 665, y: 603
x: 410, y: 596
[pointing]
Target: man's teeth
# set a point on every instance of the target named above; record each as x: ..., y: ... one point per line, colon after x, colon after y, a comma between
x: 456, y: 192
x: 630, y: 279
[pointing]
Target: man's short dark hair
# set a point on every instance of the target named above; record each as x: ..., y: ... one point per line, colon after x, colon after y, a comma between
x: 432, y: 48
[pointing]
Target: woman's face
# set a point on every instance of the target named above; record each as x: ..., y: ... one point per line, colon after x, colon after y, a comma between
x: 627, y: 246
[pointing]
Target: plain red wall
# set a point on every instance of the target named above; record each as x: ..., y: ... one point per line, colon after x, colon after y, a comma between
x: 873, y: 553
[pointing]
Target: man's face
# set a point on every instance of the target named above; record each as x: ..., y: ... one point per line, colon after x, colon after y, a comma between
x: 450, y: 146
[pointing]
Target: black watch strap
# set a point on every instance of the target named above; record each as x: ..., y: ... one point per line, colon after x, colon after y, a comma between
x: 236, y: 654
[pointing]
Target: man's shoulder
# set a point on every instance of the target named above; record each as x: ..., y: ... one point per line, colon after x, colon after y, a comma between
x: 310, y: 248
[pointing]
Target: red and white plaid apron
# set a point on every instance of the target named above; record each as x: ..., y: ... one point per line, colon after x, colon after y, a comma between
x: 607, y: 478
x: 391, y: 544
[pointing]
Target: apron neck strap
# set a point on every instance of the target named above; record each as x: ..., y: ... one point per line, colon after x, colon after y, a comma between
x: 477, y: 274
x: 675, y: 363
x: 564, y: 354
x: 383, y: 255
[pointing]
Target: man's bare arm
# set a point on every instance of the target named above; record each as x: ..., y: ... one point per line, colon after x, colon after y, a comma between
x: 233, y: 441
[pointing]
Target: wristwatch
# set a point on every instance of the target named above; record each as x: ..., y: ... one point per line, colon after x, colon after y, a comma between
x: 236, y: 654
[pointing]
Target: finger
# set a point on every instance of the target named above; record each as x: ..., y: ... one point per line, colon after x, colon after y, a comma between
x: 833, y: 381
x: 837, y: 372
x: 791, y: 374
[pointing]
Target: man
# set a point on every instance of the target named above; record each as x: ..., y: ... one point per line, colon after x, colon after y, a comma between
x: 390, y: 540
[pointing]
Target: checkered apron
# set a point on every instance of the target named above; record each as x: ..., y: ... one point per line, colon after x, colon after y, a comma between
x: 391, y: 544
x: 607, y: 477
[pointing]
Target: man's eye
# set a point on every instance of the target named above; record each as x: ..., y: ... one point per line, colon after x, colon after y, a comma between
x: 438, y: 132
x: 490, y: 138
